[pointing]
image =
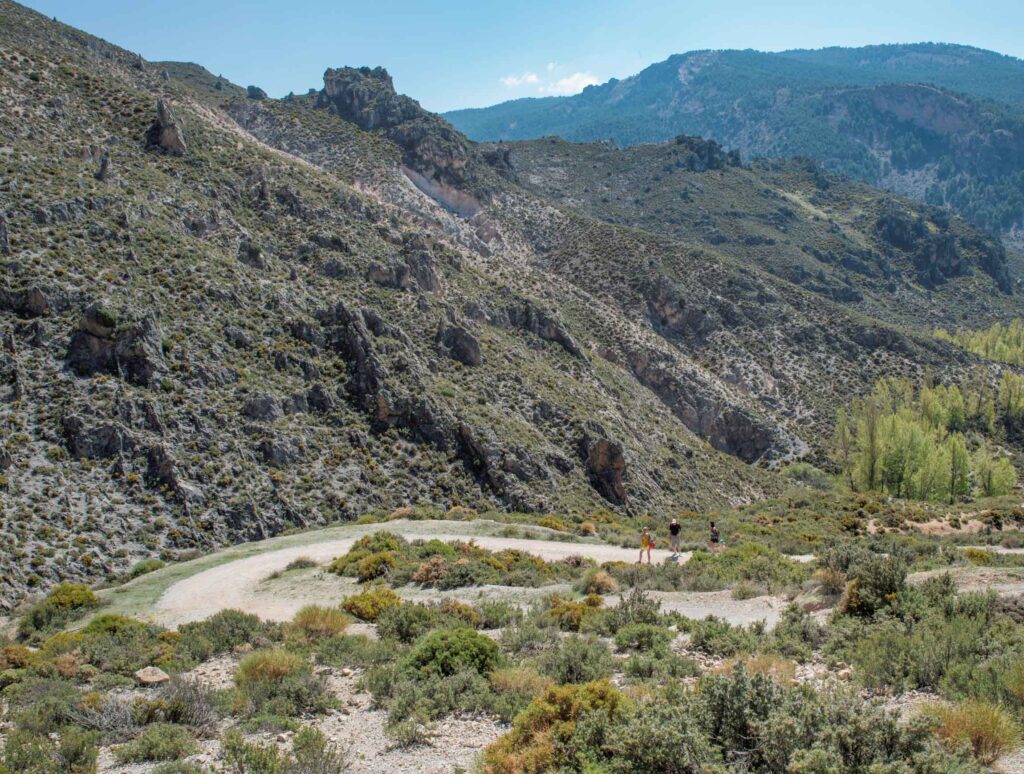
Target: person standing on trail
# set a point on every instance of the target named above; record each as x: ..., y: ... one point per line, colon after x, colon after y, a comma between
x: 673, y: 536
x: 646, y: 544
x: 716, y: 538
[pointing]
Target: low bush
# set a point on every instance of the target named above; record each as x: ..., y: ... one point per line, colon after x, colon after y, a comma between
x: 368, y: 605
x: 597, y: 582
x: 278, y: 682
x: 448, y: 651
x: 354, y: 651
x: 146, y: 566
x: 224, y: 631
x: 301, y: 563
x: 717, y: 637
x: 64, y: 603
x: 569, y: 614
x: 515, y: 689
x: 541, y: 734
x: 73, y: 752
x: 158, y: 742
x: 576, y: 659
x: 389, y: 557
x: 660, y: 667
x: 115, y: 644
x: 643, y: 637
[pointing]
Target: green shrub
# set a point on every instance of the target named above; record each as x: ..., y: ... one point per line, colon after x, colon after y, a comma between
x: 540, y: 737
x: 121, y: 645
x: 314, y: 754
x: 241, y: 757
x: 634, y: 607
x: 805, y: 474
x: 74, y: 752
x: 64, y: 603
x: 660, y: 667
x: 660, y: 737
x: 278, y: 682
x: 222, y: 632
x: 448, y: 651
x: 158, y: 742
x: 355, y: 650
x: 496, y: 614
x: 515, y: 689
x: 717, y: 637
x: 796, y: 635
x: 146, y: 566
x: 643, y: 637
x: 577, y: 659
x: 874, y: 581
x: 369, y: 604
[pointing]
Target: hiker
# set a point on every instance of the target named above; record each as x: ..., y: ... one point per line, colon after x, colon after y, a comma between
x: 673, y: 536
x: 715, y: 538
x: 646, y: 544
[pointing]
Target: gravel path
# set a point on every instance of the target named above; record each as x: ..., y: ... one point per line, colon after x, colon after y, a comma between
x: 235, y: 584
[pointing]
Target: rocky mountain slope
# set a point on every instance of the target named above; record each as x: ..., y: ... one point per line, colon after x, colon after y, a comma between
x: 225, y: 316
x: 940, y: 123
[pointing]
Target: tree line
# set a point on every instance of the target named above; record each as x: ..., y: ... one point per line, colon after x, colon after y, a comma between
x: 932, y: 443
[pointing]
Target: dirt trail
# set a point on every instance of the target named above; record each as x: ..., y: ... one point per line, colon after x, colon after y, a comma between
x: 235, y: 584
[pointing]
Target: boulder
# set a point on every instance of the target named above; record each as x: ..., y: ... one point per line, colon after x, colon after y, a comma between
x: 164, y: 134
x: 151, y: 675
x: 255, y: 92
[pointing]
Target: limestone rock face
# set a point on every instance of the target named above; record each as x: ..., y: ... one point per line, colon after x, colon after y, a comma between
x: 94, y: 440
x: 164, y: 134
x: 605, y: 464
x: 368, y: 99
x: 459, y: 344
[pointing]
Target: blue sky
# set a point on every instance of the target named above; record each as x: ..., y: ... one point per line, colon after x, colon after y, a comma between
x: 469, y: 54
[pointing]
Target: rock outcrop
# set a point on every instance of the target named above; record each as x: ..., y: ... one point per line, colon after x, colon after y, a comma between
x: 164, y: 134
x: 135, y: 352
x: 605, y: 464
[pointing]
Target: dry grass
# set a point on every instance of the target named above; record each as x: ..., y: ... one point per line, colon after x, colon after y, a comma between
x: 780, y: 670
x: 988, y: 729
x: 599, y: 582
x: 314, y: 623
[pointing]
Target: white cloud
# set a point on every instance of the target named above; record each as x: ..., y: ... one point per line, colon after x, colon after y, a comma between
x: 570, y: 84
x: 513, y: 81
x: 552, y: 66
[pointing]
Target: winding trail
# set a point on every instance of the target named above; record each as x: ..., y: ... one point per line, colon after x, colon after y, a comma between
x: 236, y: 584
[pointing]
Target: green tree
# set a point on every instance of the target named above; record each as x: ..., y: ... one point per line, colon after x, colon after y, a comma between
x: 959, y: 467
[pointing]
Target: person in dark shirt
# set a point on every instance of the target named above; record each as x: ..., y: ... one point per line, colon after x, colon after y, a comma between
x: 716, y: 538
x: 673, y: 536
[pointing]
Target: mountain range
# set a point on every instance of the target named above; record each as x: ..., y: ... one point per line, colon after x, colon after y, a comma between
x: 225, y: 316
x: 940, y: 123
